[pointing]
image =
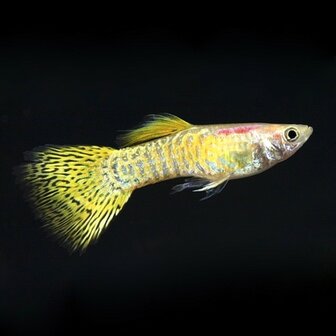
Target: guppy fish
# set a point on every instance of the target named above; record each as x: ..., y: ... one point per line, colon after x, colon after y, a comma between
x: 77, y: 190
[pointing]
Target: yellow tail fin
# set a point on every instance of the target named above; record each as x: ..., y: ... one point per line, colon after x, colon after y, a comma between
x: 73, y: 191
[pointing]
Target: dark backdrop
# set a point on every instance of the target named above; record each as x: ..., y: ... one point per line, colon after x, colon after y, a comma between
x: 263, y: 250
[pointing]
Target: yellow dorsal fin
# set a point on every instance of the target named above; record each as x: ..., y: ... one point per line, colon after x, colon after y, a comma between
x: 156, y: 126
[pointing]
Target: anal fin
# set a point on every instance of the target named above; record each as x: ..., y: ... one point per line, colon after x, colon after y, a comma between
x: 211, y: 187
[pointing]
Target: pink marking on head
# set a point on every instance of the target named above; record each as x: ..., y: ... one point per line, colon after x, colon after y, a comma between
x: 236, y: 130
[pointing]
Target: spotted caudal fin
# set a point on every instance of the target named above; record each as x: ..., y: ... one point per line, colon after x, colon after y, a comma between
x: 156, y: 126
x: 72, y: 191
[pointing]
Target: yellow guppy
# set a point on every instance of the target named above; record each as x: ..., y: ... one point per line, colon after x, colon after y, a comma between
x: 77, y: 190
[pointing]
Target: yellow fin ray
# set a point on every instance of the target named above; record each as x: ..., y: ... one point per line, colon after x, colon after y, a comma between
x: 72, y: 192
x: 157, y: 126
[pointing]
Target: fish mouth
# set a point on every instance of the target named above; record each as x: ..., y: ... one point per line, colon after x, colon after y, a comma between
x: 306, y: 132
x: 309, y: 131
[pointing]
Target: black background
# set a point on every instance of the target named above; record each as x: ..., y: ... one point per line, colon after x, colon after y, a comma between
x: 261, y: 253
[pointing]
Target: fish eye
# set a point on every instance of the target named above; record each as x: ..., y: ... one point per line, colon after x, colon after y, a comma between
x: 291, y: 134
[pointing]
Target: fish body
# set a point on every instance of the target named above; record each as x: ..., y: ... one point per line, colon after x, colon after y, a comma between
x: 209, y: 152
x: 77, y: 190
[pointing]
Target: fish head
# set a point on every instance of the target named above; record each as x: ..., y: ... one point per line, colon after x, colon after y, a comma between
x: 282, y: 141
